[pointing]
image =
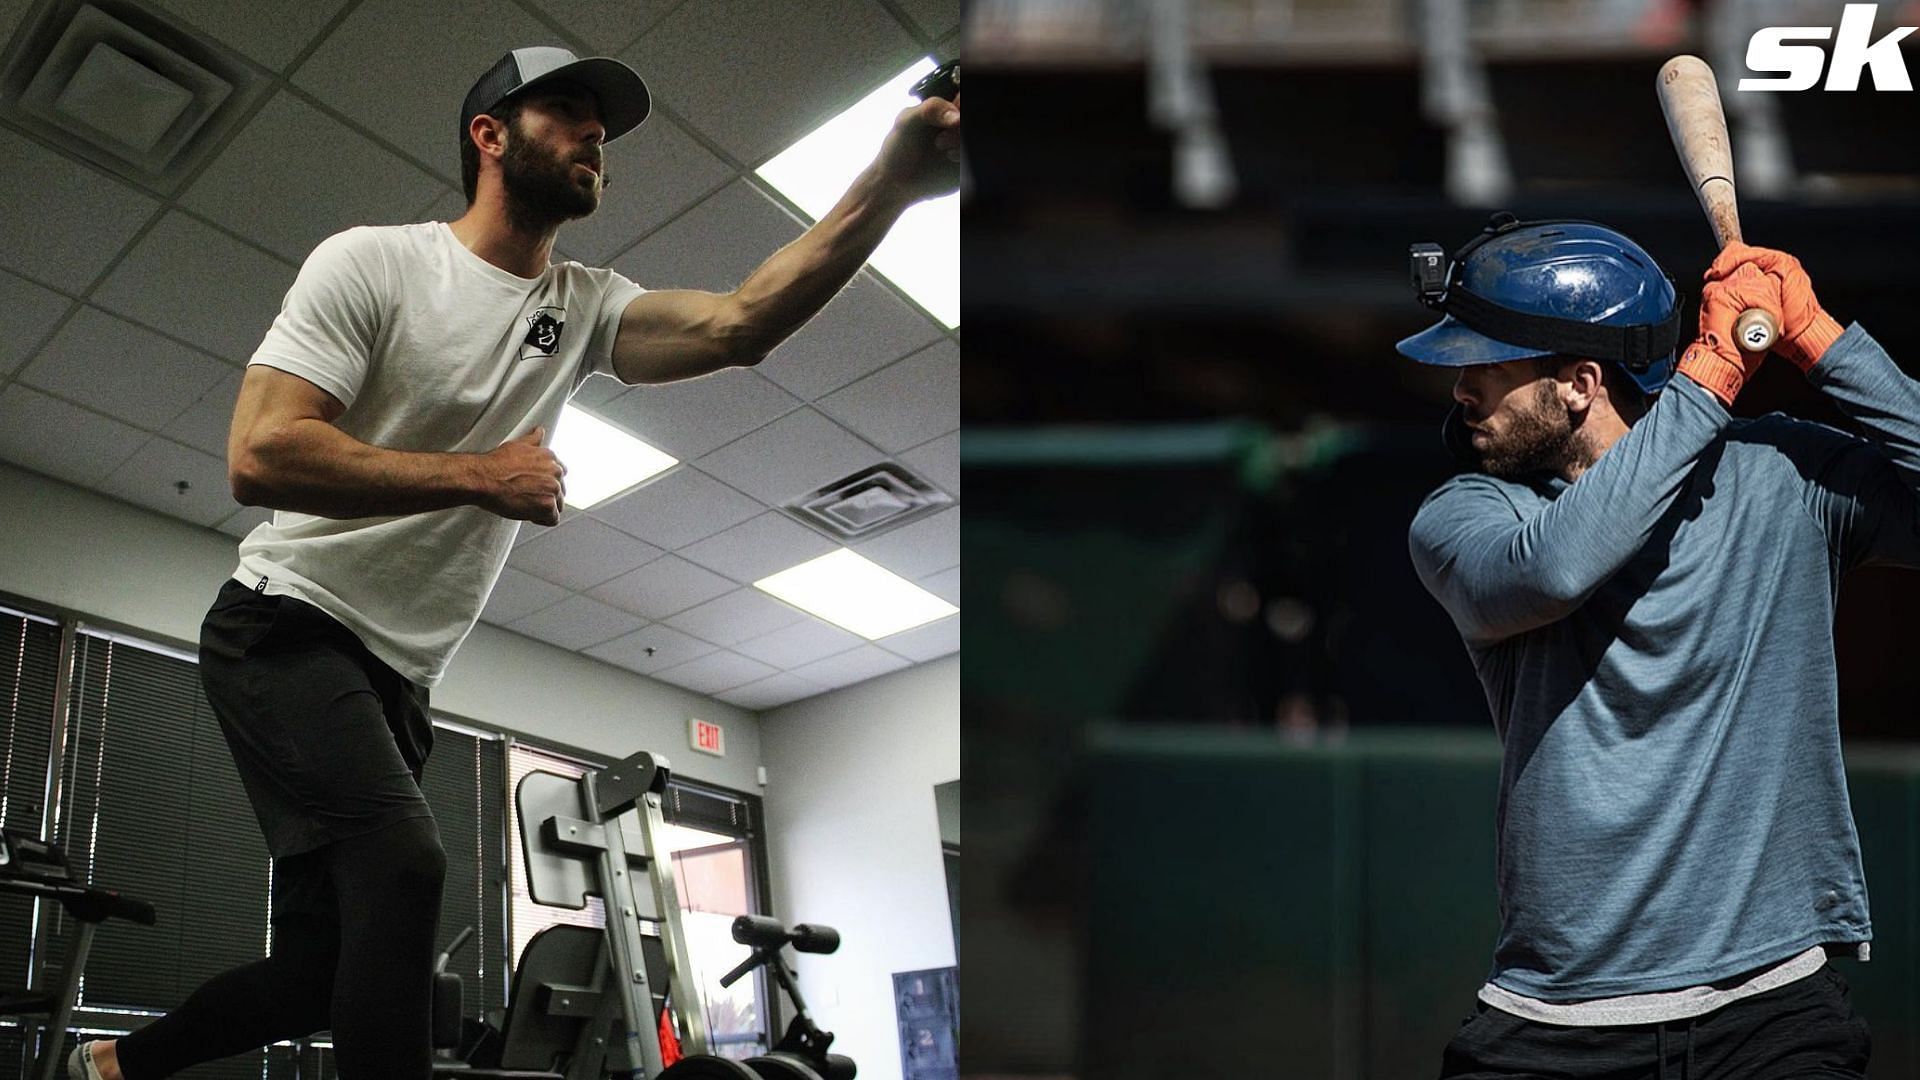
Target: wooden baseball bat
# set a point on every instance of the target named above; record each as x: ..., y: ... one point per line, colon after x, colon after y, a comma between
x: 1690, y: 98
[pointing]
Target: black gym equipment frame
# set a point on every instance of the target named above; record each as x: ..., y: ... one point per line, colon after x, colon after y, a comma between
x: 586, y: 1004
x: 583, y: 1003
x: 34, y: 868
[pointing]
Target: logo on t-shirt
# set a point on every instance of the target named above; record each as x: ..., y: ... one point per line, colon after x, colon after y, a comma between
x: 543, y: 333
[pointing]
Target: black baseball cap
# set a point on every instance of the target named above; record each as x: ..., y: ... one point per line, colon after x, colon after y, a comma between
x: 623, y: 96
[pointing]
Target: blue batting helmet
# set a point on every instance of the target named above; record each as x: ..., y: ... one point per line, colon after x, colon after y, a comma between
x: 1543, y: 288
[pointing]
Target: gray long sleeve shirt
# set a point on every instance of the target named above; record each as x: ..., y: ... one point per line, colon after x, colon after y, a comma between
x: 1656, y: 644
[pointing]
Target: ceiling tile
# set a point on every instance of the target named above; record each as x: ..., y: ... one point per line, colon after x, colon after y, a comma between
x: 10, y: 14
x: 205, y: 425
x: 932, y: 17
x: 582, y: 553
x: 127, y: 372
x: 152, y: 478
x: 607, y: 25
x: 935, y: 639
x: 62, y: 222
x: 27, y: 314
x: 663, y: 587
x: 735, y: 617
x: 771, y: 691
x: 918, y: 548
x: 653, y: 173
x: 529, y: 532
x: 449, y: 205
x: 793, y: 456
x: 670, y: 648
x: 678, y: 508
x: 713, y: 246
x: 690, y: 417
x: 518, y: 594
x: 822, y: 62
x: 937, y: 462
x: 322, y: 175
x: 403, y: 76
x: 897, y: 407
x: 714, y: 672
x: 864, y: 329
x: 754, y: 549
x: 945, y: 585
x: 271, y: 34
x: 199, y: 284
x: 244, y: 520
x: 852, y: 666
x: 576, y: 622
x: 802, y: 643
x: 48, y: 435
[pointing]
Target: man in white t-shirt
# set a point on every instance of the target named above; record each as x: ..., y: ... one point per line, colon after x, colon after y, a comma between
x: 395, y: 418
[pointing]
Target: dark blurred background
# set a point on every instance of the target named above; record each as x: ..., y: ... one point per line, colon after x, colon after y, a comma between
x: 1230, y: 774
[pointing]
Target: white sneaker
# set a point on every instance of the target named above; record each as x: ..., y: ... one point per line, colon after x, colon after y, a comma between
x: 80, y: 1064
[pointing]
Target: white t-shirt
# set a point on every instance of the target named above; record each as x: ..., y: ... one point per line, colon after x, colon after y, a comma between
x: 430, y: 348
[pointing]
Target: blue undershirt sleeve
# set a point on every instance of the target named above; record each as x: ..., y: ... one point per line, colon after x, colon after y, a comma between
x: 1868, y: 492
x: 1499, y: 573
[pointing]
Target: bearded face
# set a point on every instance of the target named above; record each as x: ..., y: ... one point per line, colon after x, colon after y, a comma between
x: 1519, y: 424
x: 546, y: 181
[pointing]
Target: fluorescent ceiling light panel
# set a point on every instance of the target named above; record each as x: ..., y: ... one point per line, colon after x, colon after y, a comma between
x: 850, y: 591
x: 922, y: 253
x: 602, y: 461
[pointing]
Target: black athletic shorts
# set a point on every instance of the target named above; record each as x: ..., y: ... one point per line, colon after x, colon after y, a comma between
x: 328, y: 739
x: 1799, y: 1031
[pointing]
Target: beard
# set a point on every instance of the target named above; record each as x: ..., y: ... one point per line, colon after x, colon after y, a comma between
x: 543, y: 190
x: 1539, y: 438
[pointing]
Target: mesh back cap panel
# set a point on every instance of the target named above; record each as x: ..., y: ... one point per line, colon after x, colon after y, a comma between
x: 624, y: 101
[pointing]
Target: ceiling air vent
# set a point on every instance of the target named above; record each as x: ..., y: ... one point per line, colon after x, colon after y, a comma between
x: 868, y: 503
x: 125, y: 90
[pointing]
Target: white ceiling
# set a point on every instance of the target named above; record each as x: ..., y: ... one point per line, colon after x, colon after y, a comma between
x: 127, y: 314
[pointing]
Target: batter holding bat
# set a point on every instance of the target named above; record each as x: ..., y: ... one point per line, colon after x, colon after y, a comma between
x: 1646, y: 589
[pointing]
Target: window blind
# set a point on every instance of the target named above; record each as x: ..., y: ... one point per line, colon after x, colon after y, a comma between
x: 151, y: 805
x: 29, y: 656
x: 464, y: 782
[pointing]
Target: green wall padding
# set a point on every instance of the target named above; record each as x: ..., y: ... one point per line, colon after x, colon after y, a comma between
x: 1258, y: 908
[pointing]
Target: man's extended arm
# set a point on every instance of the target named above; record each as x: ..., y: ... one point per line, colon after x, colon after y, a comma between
x: 284, y: 452
x: 675, y: 334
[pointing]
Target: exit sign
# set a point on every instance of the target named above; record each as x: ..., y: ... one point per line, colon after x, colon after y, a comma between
x: 707, y: 738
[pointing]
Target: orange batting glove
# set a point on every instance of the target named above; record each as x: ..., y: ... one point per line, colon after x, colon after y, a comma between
x: 1715, y: 359
x: 1806, y: 330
